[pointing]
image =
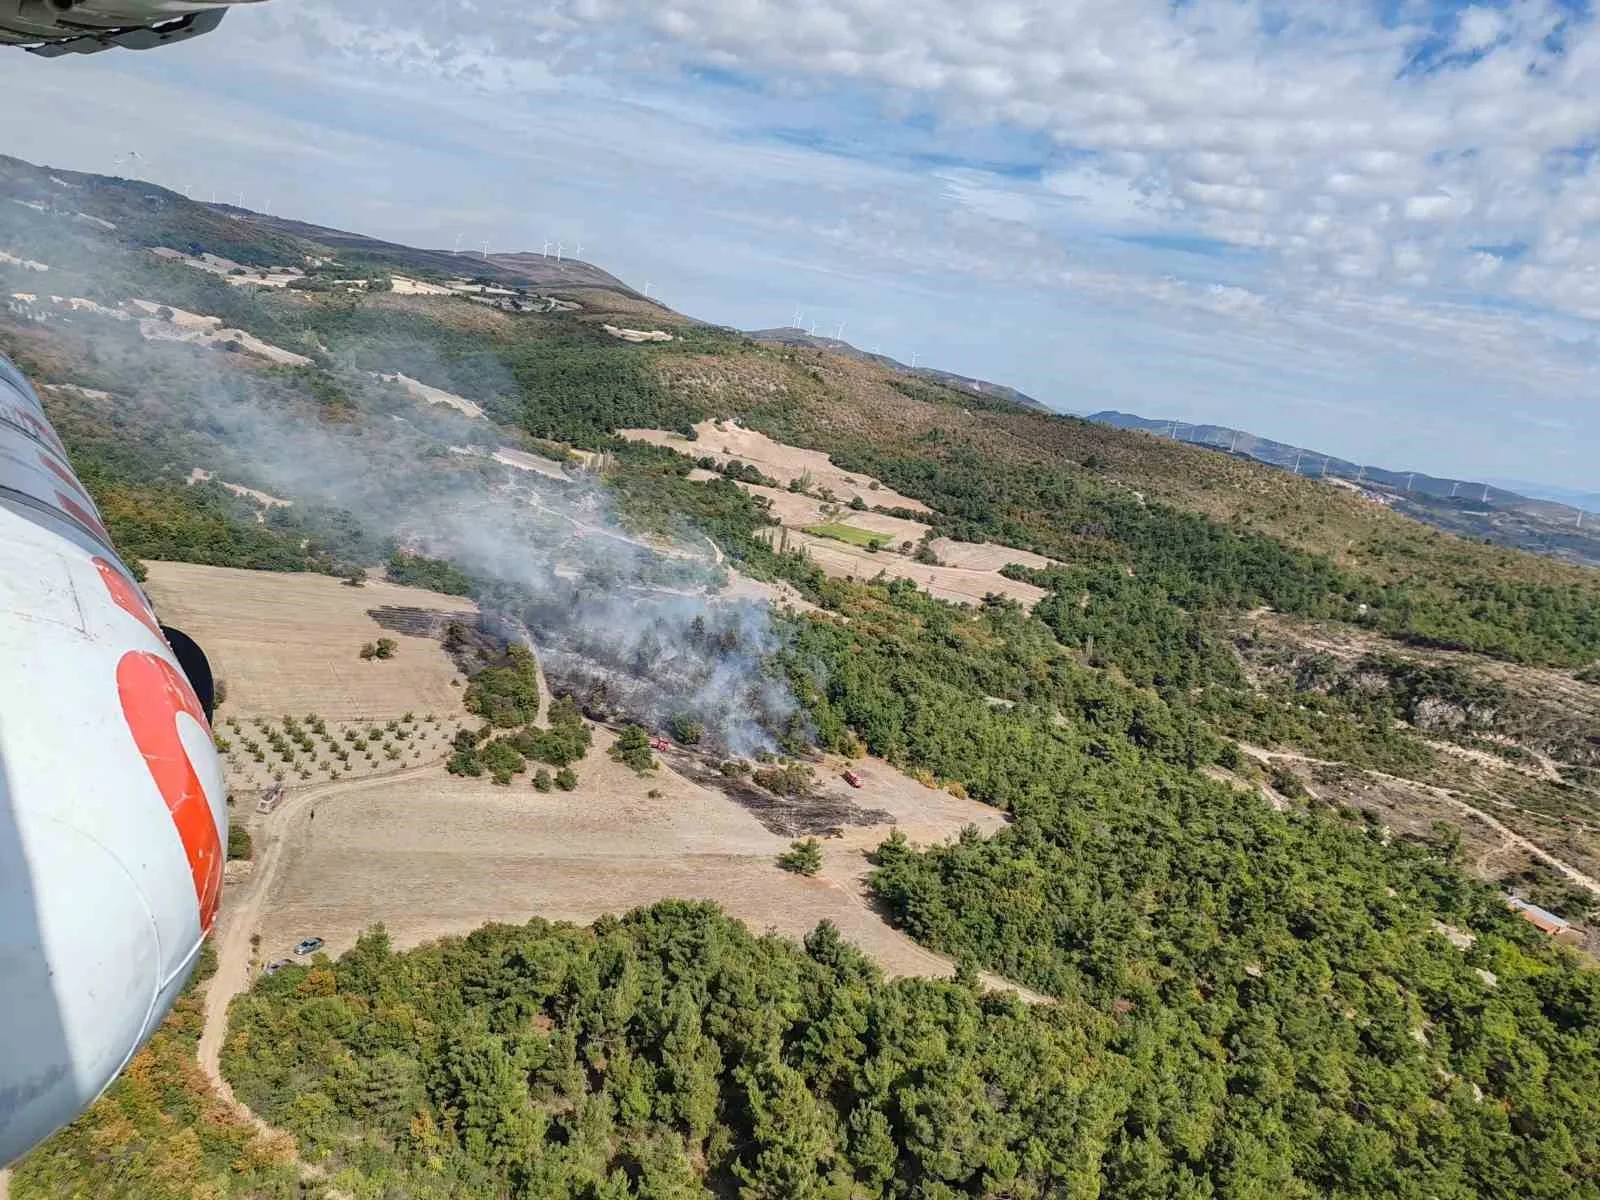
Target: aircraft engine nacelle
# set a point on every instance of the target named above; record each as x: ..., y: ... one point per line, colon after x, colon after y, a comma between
x: 55, y: 27
x: 113, y: 816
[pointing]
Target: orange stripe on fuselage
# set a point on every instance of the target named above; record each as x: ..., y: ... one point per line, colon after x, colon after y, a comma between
x: 153, y: 693
x: 127, y: 597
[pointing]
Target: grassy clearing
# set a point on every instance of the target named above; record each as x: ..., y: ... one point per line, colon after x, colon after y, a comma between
x: 850, y: 534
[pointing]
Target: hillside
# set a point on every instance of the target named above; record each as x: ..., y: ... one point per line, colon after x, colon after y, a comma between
x: 1557, y: 526
x: 981, y: 389
x: 1261, y: 761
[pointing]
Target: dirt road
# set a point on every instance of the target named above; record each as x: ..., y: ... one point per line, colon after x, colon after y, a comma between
x: 242, y: 916
x: 1512, y: 838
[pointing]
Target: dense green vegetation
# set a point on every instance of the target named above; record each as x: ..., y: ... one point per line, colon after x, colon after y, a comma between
x: 1290, y: 1022
x: 416, y: 570
x: 632, y: 749
x: 803, y: 858
x: 507, y: 696
x: 660, y: 1054
x: 670, y: 1054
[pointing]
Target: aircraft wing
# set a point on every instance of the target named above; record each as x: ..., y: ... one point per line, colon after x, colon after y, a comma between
x: 53, y: 28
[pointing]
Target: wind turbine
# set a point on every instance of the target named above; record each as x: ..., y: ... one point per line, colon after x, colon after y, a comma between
x: 1297, y: 457
x: 559, y: 249
x: 457, y: 249
x: 647, y: 289
x: 914, y: 356
x: 799, y: 316
x: 547, y: 247
x: 839, y: 335
x: 579, y: 252
x: 1235, y: 445
x: 1410, y: 479
x: 1454, y: 488
x: 486, y: 251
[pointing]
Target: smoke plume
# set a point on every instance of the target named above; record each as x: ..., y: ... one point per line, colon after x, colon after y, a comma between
x: 638, y: 625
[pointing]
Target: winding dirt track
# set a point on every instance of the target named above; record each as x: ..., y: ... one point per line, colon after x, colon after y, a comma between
x: 1454, y: 801
x: 242, y: 918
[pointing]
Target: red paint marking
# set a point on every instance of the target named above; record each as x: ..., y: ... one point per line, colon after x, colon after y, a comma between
x: 127, y: 597
x: 40, y: 427
x: 84, y: 516
x: 63, y: 474
x: 153, y: 693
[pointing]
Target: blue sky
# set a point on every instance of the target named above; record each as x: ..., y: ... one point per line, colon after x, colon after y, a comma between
x: 1371, y: 228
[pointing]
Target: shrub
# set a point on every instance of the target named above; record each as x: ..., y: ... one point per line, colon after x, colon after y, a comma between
x: 566, y: 779
x: 542, y: 781
x: 632, y: 749
x: 239, y: 844
x: 1286, y: 783
x: 686, y: 730
x: 803, y: 858
x: 790, y: 779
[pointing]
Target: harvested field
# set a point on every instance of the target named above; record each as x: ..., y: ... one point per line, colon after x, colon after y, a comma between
x: 428, y: 394
x: 288, y: 643
x: 985, y: 556
x: 895, y: 529
x: 836, y: 536
x: 183, y: 326
x: 429, y: 855
x: 524, y: 461
x: 784, y: 595
x: 794, y: 509
x: 956, y: 584
x: 776, y: 460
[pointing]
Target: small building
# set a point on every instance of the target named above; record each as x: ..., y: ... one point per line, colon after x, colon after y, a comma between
x: 1545, y: 921
x: 270, y: 799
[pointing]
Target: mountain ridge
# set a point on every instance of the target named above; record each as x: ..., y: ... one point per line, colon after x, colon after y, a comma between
x: 1470, y: 508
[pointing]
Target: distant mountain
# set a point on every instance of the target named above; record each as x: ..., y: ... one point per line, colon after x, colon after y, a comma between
x: 1556, y: 523
x: 790, y: 336
x: 1588, y: 501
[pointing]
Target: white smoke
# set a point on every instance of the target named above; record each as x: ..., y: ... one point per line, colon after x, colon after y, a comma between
x: 601, y: 605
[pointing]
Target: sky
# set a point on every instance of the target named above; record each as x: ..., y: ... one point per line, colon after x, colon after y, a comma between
x: 1372, y: 228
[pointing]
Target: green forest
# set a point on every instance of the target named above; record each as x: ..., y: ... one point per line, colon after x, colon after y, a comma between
x: 671, y: 1054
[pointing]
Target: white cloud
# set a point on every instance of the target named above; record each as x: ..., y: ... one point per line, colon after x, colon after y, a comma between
x: 1249, y: 117
x: 1477, y: 29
